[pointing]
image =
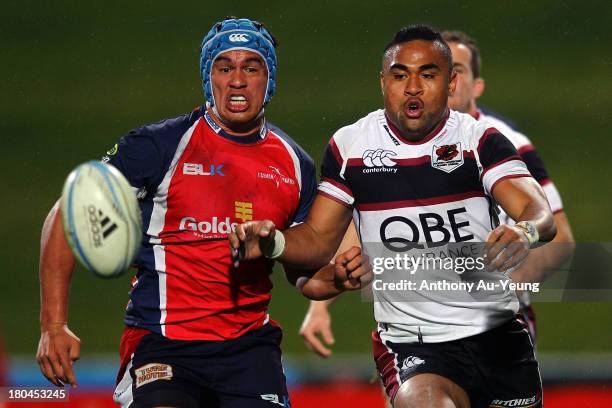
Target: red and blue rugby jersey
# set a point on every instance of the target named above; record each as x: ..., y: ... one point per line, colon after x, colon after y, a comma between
x: 195, y: 183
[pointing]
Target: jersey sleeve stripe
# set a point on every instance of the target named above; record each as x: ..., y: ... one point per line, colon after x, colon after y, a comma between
x: 338, y: 185
x: 510, y: 176
x: 525, y: 149
x: 494, y: 165
x: 553, y: 196
x: 545, y: 181
x: 334, y: 198
x: 420, y: 202
x: 331, y: 189
x: 509, y: 169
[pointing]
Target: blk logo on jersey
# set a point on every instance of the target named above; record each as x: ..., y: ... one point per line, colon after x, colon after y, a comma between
x: 379, y: 161
x: 447, y: 157
x: 197, y: 169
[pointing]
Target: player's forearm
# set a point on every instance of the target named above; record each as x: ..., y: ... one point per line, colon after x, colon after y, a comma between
x: 321, y: 286
x: 547, y: 259
x: 305, y: 248
x: 539, y: 215
x: 55, y: 271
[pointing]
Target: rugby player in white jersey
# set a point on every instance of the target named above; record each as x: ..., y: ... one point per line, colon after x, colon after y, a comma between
x: 418, y: 172
x: 547, y: 259
x: 540, y: 263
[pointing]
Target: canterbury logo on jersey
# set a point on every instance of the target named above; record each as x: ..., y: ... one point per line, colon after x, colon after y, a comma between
x: 283, y: 400
x: 379, y: 161
x: 411, y: 362
x: 100, y: 225
x: 239, y: 37
x: 197, y: 169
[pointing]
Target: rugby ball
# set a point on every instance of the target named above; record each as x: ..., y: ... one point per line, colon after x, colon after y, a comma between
x: 101, y: 218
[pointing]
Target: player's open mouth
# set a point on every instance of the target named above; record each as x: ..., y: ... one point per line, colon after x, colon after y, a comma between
x: 413, y: 108
x: 237, y: 103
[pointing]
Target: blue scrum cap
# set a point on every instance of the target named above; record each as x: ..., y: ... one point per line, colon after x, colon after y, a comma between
x: 237, y: 34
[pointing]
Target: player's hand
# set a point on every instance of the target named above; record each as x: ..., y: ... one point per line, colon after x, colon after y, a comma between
x: 316, y: 327
x: 58, y: 348
x: 251, y: 240
x: 506, y: 247
x: 352, y: 270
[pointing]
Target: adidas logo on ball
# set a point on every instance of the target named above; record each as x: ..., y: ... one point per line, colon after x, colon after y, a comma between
x: 101, y: 225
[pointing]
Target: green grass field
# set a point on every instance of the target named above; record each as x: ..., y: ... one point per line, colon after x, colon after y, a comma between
x: 76, y: 77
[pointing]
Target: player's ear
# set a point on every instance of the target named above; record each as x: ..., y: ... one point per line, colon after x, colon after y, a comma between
x: 452, y: 83
x: 479, y: 87
x: 382, y: 82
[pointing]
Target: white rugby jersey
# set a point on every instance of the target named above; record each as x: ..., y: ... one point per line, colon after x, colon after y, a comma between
x: 532, y: 159
x: 535, y: 165
x: 433, y: 191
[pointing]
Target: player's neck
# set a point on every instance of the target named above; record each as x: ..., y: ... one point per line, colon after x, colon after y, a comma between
x: 473, y: 110
x: 421, y: 134
x: 246, y: 129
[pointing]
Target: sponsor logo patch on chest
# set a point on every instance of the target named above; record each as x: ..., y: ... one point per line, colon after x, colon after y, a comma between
x: 447, y: 157
x: 152, y: 372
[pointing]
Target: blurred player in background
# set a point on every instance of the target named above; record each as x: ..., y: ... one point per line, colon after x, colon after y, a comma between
x: 541, y: 262
x: 197, y: 331
x: 381, y: 172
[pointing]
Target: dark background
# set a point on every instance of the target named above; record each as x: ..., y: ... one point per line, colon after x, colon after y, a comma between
x: 78, y: 75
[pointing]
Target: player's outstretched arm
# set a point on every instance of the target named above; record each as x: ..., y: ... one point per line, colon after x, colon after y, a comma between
x: 316, y: 328
x: 58, y: 347
x: 309, y: 246
x: 350, y: 271
x: 524, y: 201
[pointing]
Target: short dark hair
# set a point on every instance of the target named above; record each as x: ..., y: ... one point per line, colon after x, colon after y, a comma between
x: 459, y: 37
x: 421, y: 32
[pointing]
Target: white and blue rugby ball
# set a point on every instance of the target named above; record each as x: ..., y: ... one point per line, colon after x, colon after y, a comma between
x: 101, y: 217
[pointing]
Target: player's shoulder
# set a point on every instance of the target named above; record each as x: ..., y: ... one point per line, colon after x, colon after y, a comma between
x: 168, y: 128
x: 473, y: 130
x: 506, y: 128
x: 349, y: 133
x: 291, y: 144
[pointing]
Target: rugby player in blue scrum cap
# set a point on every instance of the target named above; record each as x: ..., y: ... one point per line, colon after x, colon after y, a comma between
x: 198, y: 333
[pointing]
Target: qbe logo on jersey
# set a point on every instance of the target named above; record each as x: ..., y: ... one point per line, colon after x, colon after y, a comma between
x: 239, y: 38
x: 447, y: 157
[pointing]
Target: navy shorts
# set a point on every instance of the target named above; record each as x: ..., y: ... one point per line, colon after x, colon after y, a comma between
x: 240, y: 373
x: 496, y: 368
